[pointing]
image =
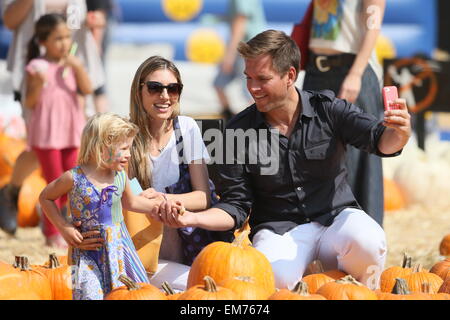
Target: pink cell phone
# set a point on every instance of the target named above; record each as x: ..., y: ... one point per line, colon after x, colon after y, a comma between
x: 390, y: 94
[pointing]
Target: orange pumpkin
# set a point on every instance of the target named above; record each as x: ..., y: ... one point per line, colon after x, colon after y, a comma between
x: 246, y: 288
x: 10, y: 149
x: 60, y: 278
x: 300, y: 292
x: 346, y: 288
x: 317, y: 277
x: 393, y: 197
x: 208, y: 291
x: 170, y: 293
x: 222, y: 260
x: 135, y: 291
x: 418, y: 277
x: 445, y: 287
x: 442, y: 269
x: 388, y: 276
x: 10, y: 281
x: 33, y: 281
x: 444, y: 246
x: 426, y: 291
x: 27, y: 215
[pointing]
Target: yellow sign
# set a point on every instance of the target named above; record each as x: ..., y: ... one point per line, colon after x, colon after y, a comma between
x: 205, y: 46
x: 182, y: 10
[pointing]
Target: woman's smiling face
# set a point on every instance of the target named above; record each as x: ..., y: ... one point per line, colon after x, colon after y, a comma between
x: 159, y: 105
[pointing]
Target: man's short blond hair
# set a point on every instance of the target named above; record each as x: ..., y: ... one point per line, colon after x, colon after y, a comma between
x: 103, y: 131
x: 283, y: 50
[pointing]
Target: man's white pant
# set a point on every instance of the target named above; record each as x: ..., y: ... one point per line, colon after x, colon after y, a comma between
x: 354, y: 243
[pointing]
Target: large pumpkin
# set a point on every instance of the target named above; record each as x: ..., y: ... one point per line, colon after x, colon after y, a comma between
x: 60, y: 276
x: 208, y: 291
x: 300, y: 292
x: 135, y: 291
x: 10, y: 282
x: 32, y: 280
x: 27, y: 215
x: 222, y: 260
x: 346, y: 288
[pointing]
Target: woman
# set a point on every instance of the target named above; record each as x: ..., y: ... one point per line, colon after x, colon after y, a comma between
x: 169, y: 158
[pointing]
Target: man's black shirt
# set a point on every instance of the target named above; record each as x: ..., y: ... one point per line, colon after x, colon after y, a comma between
x: 309, y: 180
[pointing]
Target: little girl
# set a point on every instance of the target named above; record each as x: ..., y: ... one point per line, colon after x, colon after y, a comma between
x: 55, y: 119
x: 98, y: 188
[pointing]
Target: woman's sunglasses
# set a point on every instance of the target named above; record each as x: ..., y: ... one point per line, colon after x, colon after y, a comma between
x: 157, y: 87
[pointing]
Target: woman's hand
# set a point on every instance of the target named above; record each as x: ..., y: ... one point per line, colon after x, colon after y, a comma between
x: 173, y: 214
x: 151, y: 193
x: 91, y: 240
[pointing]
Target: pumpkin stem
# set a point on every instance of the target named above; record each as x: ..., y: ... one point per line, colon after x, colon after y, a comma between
x: 210, y: 284
x: 301, y: 288
x: 240, y: 239
x: 400, y: 287
x: 417, y: 267
x: 53, y: 261
x: 167, y: 288
x: 407, y: 261
x: 348, y: 279
x: 315, y: 267
x: 425, y: 287
x: 22, y: 263
x: 131, y: 285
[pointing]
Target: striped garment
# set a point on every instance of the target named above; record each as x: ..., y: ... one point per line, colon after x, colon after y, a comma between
x: 95, y: 273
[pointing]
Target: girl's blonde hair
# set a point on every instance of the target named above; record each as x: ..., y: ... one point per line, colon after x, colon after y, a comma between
x: 103, y: 131
x: 140, y: 166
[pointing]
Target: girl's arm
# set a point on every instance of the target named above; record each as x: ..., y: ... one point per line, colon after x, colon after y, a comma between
x: 200, y: 198
x: 16, y: 12
x: 34, y: 84
x: 81, y: 75
x: 132, y: 202
x: 373, y: 12
x: 51, y: 192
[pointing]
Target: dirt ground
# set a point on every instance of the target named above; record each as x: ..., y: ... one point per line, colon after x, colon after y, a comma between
x: 416, y: 230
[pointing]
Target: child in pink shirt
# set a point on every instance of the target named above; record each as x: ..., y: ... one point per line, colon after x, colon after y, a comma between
x: 53, y: 81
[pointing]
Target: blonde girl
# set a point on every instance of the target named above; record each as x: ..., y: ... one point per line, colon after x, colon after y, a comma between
x: 98, y: 189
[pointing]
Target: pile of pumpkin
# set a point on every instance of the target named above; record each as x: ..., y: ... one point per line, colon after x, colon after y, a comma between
x: 10, y: 148
x: 236, y: 271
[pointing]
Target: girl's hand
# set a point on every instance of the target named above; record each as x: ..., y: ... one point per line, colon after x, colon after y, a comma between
x: 38, y: 78
x: 72, y: 236
x: 173, y: 214
x: 350, y: 88
x: 73, y: 61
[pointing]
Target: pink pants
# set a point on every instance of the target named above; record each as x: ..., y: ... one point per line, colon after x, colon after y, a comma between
x: 54, y: 162
x: 354, y: 243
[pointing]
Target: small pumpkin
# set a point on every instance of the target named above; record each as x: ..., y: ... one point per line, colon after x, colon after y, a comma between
x: 444, y: 246
x: 317, y: 277
x: 208, y: 291
x: 60, y: 277
x: 27, y: 214
x: 10, y: 149
x: 170, y: 293
x: 135, y: 291
x: 388, y: 277
x: 221, y: 260
x: 393, y: 197
x: 11, y: 283
x: 442, y: 269
x: 346, y: 288
x: 300, y: 292
x: 246, y: 288
x: 426, y: 291
x: 419, y: 276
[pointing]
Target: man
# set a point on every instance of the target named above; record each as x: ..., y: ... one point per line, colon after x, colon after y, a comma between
x: 305, y: 209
